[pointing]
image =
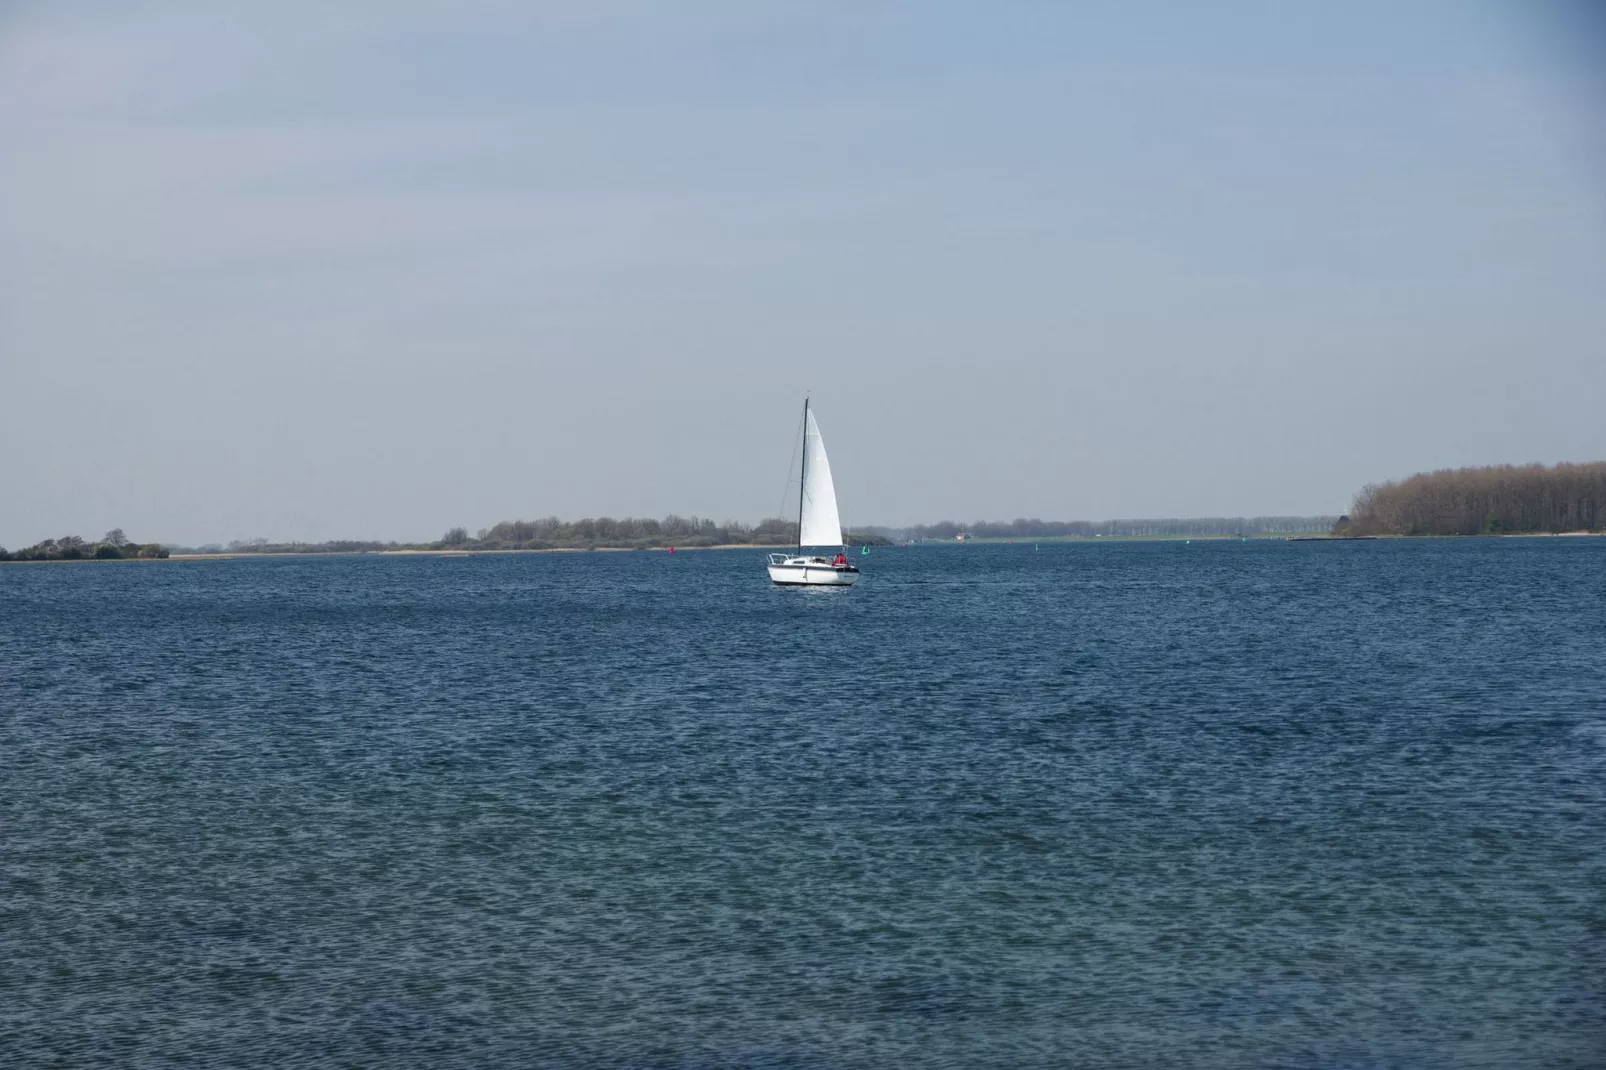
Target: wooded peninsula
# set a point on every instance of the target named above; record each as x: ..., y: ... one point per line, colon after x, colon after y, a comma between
x: 1495, y: 500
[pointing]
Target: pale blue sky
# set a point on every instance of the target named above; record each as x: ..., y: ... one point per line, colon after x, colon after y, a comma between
x: 372, y: 272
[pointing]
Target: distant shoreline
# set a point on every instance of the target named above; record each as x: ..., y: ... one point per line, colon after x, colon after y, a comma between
x: 1479, y: 535
x: 231, y: 554
x: 476, y: 553
x: 1089, y: 539
x: 225, y: 555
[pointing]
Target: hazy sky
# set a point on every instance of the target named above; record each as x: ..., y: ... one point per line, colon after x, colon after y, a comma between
x: 304, y: 270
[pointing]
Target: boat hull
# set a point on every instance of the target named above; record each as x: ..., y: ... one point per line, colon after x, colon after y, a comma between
x: 810, y: 572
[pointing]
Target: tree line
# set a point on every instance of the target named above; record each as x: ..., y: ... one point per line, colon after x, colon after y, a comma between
x: 596, y: 533
x: 112, y: 546
x: 333, y: 546
x: 550, y: 533
x: 1492, y: 500
x: 1022, y: 528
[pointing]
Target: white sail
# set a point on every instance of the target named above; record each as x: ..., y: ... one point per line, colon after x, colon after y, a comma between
x: 821, y: 524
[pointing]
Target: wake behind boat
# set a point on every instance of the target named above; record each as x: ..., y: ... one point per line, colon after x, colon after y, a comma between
x: 818, y: 524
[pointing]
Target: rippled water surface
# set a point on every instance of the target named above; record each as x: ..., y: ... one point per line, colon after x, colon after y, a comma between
x: 1219, y: 804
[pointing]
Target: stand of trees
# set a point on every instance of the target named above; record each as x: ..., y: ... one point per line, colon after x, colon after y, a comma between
x: 113, y: 546
x: 628, y: 533
x: 551, y: 533
x: 1049, y: 529
x: 334, y: 546
x: 1493, y: 500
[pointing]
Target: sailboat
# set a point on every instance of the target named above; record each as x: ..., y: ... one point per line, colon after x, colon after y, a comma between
x: 818, y: 524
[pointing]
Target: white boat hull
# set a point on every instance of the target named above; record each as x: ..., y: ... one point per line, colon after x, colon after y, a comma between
x: 810, y: 572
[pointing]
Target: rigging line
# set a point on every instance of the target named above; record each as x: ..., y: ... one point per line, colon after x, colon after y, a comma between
x: 803, y: 476
x: 786, y: 488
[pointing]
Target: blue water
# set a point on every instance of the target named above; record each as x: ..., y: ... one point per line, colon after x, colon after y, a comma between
x: 1214, y: 805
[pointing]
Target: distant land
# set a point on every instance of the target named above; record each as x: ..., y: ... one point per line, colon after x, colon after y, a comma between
x: 1495, y: 500
x: 631, y: 533
x: 1164, y: 528
x: 113, y: 546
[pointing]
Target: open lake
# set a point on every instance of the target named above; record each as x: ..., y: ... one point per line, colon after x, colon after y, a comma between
x: 1224, y: 804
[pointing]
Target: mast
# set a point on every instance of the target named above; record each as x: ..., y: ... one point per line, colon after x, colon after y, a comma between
x: 803, y: 476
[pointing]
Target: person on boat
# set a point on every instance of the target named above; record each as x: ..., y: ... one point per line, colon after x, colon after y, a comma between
x: 840, y: 559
